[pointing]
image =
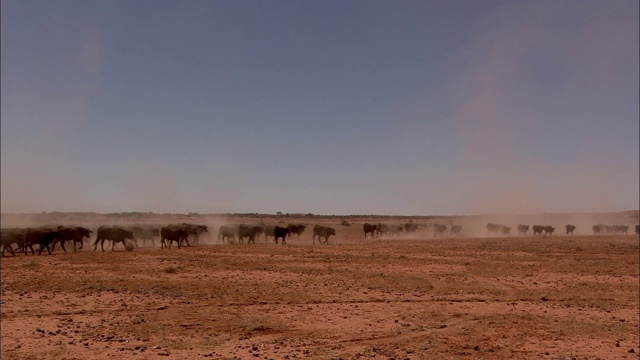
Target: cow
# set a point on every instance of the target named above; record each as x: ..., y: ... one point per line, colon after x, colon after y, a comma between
x: 620, y: 229
x: 570, y: 228
x: 323, y: 232
x: 281, y: 232
x: 597, y: 229
x: 456, y: 229
x: 493, y: 228
x: 173, y: 233
x: 73, y: 233
x: 506, y: 230
x: 268, y: 231
x: 12, y: 236
x: 144, y: 233
x: 115, y: 234
x: 410, y: 227
x: 548, y: 230
x: 610, y: 229
x: 395, y: 230
x: 296, y: 229
x: 537, y: 229
x: 227, y: 233
x: 250, y: 232
x: 370, y: 228
x: 522, y: 229
x: 439, y: 229
x: 195, y: 230
x: 382, y: 229
x: 43, y: 236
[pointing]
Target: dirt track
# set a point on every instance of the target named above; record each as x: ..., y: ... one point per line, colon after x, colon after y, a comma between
x: 492, y: 298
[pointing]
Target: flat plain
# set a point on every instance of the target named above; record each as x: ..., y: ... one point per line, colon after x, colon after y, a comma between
x: 424, y: 297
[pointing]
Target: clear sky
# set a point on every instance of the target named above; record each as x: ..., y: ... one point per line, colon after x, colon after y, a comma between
x: 327, y: 107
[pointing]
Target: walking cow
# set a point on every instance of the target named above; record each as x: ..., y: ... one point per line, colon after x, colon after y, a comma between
x: 115, y: 234
x: 322, y: 232
x: 570, y: 228
x: 370, y: 228
x: 522, y: 229
x: 72, y: 233
x: 280, y: 232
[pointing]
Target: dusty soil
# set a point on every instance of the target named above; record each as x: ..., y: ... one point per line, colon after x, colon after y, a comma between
x: 476, y: 298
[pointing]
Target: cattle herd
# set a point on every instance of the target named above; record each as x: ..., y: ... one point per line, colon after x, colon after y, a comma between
x: 48, y: 237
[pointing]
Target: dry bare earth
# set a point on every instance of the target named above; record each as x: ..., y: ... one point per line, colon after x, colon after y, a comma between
x: 491, y: 298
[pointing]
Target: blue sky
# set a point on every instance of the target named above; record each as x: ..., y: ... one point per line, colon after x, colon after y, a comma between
x: 327, y: 107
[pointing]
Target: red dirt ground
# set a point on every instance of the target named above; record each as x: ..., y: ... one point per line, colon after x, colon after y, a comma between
x: 561, y: 297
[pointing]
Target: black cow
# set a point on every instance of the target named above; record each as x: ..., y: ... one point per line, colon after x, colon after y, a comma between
x: 439, y: 229
x: 456, y: 229
x: 537, y: 229
x: 43, y: 236
x: 72, y: 233
x: 12, y: 236
x: 173, y: 233
x: 115, y: 234
x: 597, y: 229
x: 570, y: 228
x: 296, y: 229
x: 522, y: 229
x: 195, y: 230
x: 493, y: 228
x: 281, y: 232
x: 324, y: 232
x: 548, y: 230
x: 227, y: 233
x: 249, y: 231
x: 410, y: 227
x: 370, y: 228
x: 620, y: 229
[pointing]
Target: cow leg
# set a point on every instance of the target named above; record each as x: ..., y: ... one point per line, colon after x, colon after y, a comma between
x: 10, y: 249
x: 42, y: 247
x: 62, y: 244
